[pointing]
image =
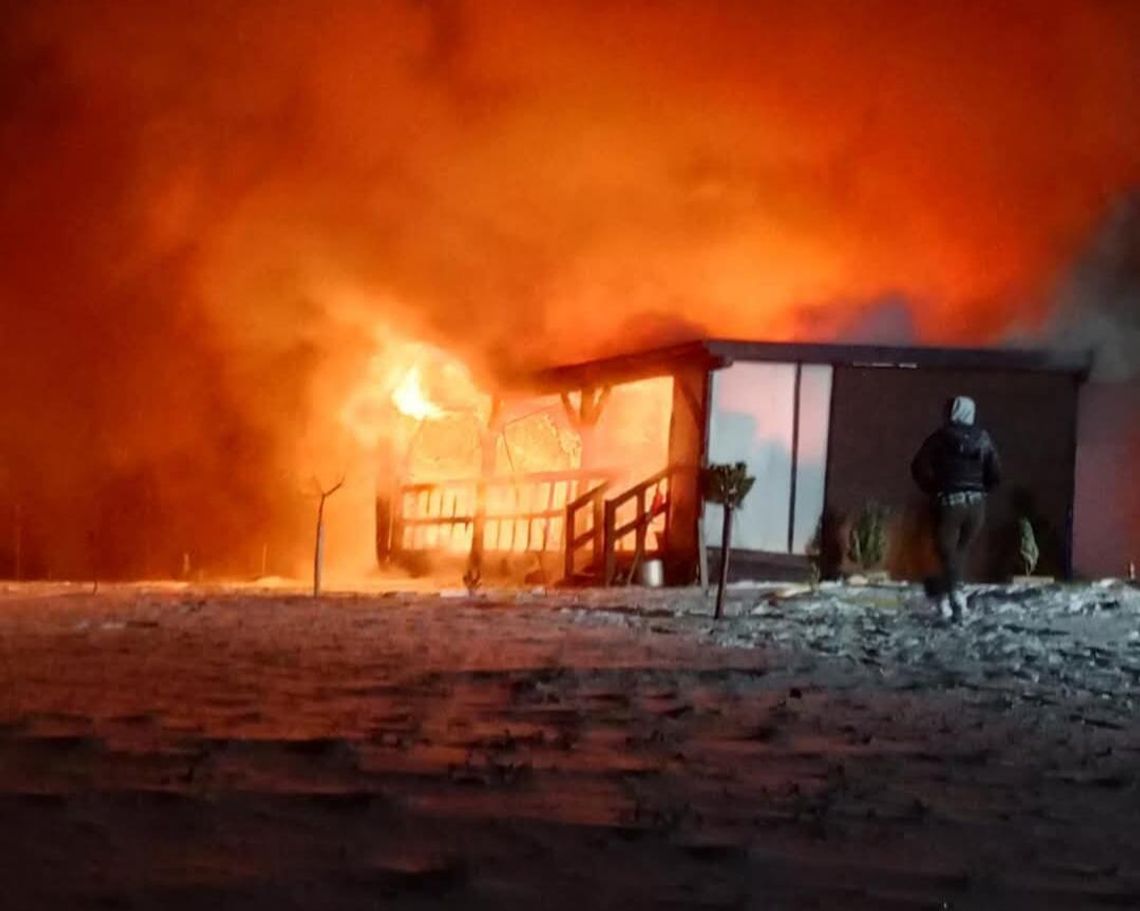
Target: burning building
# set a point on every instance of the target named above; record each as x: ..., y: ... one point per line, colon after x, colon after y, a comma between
x: 209, y: 208
x: 577, y: 473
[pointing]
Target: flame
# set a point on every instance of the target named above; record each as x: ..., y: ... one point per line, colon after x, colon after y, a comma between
x: 412, y: 400
x: 404, y: 385
x: 421, y: 421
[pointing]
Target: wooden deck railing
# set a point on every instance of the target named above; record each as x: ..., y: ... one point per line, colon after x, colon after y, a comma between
x: 652, y: 500
x: 592, y: 536
x: 547, y: 511
x: 521, y: 512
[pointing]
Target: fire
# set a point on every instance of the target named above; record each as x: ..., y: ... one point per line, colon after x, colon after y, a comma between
x: 405, y: 384
x: 440, y: 455
x: 411, y: 400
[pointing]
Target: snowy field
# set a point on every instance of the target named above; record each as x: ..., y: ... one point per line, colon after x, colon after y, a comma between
x: 165, y: 747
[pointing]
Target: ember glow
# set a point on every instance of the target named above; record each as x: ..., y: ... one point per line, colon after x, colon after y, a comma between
x: 209, y: 209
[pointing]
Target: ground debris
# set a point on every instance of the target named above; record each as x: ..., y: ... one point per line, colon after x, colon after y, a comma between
x: 502, y: 750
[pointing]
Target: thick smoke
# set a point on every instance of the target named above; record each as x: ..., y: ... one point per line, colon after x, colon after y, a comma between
x: 1098, y: 305
x: 1098, y: 310
x: 210, y: 209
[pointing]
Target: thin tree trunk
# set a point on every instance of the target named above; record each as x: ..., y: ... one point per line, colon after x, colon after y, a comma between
x: 319, y: 547
x: 725, y: 549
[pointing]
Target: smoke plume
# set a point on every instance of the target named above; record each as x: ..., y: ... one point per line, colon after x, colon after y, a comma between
x: 1098, y: 307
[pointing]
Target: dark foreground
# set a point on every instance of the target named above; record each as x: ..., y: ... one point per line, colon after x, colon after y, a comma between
x: 224, y: 750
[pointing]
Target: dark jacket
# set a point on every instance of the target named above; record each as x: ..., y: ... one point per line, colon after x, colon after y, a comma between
x: 957, y: 458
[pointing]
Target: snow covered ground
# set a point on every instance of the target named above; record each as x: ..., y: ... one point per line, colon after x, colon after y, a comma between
x: 174, y: 747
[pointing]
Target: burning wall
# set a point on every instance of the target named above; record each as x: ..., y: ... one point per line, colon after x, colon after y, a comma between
x: 210, y: 210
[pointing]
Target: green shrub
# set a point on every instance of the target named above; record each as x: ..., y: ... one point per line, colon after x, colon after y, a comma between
x: 867, y: 537
x: 1027, y: 548
x: 726, y: 485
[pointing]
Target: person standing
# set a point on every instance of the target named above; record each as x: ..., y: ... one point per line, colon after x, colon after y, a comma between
x: 957, y: 466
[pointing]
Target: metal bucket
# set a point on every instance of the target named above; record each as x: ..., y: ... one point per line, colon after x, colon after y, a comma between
x: 651, y: 574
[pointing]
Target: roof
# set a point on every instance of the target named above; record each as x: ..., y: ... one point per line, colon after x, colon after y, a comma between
x: 713, y: 354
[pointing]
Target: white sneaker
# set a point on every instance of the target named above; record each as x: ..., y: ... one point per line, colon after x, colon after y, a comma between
x: 959, y: 603
x: 946, y: 608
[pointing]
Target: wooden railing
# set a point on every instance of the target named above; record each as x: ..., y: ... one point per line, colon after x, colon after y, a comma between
x: 592, y: 536
x: 521, y: 512
x: 652, y: 499
x: 545, y: 511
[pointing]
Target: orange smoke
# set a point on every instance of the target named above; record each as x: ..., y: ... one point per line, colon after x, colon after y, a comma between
x: 211, y: 208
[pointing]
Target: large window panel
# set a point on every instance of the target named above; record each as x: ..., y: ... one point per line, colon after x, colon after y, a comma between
x: 811, y: 453
x: 751, y: 421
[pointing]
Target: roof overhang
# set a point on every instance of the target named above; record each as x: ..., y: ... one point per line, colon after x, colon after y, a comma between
x: 713, y: 354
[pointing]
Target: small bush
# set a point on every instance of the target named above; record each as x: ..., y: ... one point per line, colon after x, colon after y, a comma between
x: 867, y: 538
x: 726, y: 485
x: 1027, y: 548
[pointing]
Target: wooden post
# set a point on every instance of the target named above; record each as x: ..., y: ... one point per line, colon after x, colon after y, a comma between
x: 568, y: 540
x: 609, y: 545
x: 478, y: 532
x: 725, y: 549
x: 599, y: 528
x: 639, y: 538
x: 640, y: 531
x: 479, y: 522
x: 396, y: 534
x: 702, y: 555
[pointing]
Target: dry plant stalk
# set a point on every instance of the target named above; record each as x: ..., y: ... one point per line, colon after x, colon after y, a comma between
x: 319, y: 545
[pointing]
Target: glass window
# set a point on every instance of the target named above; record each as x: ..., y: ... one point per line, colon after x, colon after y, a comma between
x: 811, y: 453
x: 753, y: 419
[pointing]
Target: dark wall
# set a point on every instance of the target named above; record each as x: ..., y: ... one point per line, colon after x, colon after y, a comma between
x: 881, y: 416
x: 1107, y: 514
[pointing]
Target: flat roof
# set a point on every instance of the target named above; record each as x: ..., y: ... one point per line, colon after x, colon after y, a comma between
x: 713, y: 354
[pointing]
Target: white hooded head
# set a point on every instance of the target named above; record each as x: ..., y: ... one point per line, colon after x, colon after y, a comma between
x: 962, y: 410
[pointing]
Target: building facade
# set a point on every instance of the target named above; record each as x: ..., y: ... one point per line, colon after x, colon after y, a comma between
x: 824, y: 429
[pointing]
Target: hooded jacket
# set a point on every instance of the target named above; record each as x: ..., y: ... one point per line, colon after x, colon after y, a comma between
x: 958, y: 457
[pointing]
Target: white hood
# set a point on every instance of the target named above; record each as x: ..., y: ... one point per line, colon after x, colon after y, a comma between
x: 962, y: 410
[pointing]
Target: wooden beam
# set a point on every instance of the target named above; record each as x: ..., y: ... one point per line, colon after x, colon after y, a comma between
x: 486, y: 469
x: 571, y: 412
x: 597, y: 402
